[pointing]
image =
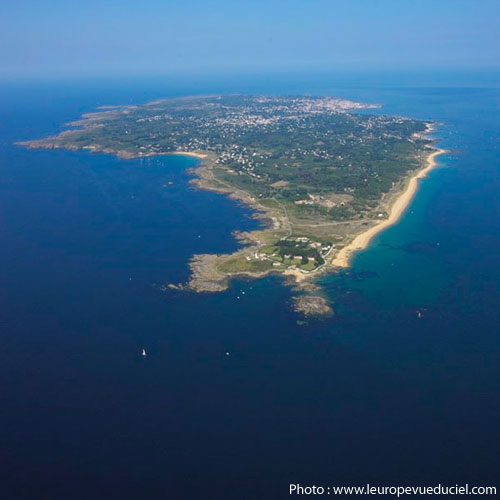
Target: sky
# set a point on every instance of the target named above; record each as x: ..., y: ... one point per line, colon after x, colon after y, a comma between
x: 139, y: 37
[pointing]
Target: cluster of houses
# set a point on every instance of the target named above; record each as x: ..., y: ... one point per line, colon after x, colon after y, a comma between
x: 218, y: 125
x: 278, y: 259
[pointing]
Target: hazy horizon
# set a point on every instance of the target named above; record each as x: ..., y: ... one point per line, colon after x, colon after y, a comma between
x: 69, y: 39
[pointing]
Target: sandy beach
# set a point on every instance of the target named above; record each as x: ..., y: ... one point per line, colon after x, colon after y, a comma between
x: 189, y: 153
x: 401, y: 203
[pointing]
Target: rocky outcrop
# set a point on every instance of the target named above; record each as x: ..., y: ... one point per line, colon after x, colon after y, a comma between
x: 312, y: 305
x: 204, y: 274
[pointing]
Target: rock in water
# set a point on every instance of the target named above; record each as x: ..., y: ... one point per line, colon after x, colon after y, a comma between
x: 312, y: 305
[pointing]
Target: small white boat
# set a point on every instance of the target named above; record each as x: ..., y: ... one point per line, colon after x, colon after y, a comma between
x: 144, y: 353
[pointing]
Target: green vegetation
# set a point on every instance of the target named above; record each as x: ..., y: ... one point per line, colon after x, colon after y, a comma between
x: 290, y: 148
x: 240, y: 264
x: 300, y: 251
x: 319, y: 168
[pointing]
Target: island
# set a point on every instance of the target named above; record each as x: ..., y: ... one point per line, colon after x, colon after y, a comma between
x: 325, y: 175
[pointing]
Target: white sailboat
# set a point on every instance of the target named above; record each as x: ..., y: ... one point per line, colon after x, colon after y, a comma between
x: 144, y: 353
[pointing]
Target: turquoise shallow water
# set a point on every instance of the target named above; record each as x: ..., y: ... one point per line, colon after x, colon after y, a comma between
x: 374, y: 394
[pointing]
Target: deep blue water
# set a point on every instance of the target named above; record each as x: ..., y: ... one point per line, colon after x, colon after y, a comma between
x: 373, y: 395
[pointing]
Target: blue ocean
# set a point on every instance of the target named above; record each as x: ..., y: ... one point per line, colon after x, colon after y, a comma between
x: 400, y: 387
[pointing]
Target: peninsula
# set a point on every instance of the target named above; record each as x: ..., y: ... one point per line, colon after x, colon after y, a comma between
x: 323, y: 176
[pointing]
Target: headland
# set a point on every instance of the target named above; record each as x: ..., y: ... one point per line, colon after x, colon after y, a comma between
x: 323, y: 178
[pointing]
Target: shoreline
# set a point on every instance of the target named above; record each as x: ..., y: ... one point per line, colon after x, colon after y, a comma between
x: 204, y: 178
x: 200, y: 156
x: 206, y: 273
x: 402, y: 202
